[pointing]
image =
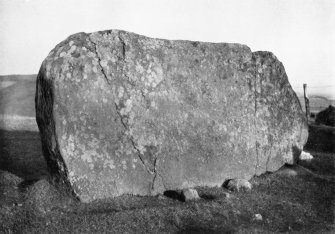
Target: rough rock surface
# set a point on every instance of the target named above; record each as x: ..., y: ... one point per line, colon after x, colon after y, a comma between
x: 258, y: 217
x: 305, y: 156
x: 239, y: 185
x: 9, y: 179
x: 42, y: 197
x: 189, y: 194
x: 121, y: 113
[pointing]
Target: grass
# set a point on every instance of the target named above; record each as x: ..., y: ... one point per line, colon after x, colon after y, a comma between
x: 299, y: 202
x: 21, y: 154
x: 321, y: 138
x: 17, y: 102
x: 287, y: 204
x: 321, y: 163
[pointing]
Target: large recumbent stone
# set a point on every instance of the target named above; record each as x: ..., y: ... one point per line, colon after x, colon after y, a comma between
x: 121, y: 113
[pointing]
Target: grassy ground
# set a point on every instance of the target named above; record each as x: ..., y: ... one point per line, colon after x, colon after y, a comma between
x: 297, y: 199
x: 321, y: 138
x: 21, y: 154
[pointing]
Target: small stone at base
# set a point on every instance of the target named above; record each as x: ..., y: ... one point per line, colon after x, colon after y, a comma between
x: 258, y: 217
x: 189, y: 195
x: 239, y: 184
x: 226, y: 195
x: 305, y: 156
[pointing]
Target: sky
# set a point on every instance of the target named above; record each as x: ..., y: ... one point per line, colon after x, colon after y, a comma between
x: 301, y: 33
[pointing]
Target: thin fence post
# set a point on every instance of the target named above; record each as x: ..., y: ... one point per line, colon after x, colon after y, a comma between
x: 306, y: 102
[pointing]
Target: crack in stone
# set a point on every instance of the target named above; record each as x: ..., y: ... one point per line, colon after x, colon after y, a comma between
x: 154, y: 171
x: 132, y: 141
x: 257, y: 143
x: 116, y: 106
x: 268, y: 159
x: 155, y: 175
x: 123, y: 46
x: 99, y: 60
x: 123, y: 58
x: 255, y: 121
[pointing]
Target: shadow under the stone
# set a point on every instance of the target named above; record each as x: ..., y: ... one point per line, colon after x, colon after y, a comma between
x: 21, y: 154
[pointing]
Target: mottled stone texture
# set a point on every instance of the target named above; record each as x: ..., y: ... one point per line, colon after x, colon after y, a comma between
x: 121, y: 113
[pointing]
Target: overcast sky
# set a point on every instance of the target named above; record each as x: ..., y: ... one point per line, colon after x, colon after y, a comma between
x: 301, y: 33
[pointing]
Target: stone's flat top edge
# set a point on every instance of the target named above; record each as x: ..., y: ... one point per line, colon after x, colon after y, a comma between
x: 163, y: 39
x: 263, y: 53
x: 242, y: 47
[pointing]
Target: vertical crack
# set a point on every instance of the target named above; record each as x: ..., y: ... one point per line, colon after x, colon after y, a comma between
x: 116, y: 106
x: 138, y: 152
x: 133, y: 142
x: 123, y: 44
x: 155, y: 176
x: 99, y: 60
x: 255, y: 116
x: 268, y: 158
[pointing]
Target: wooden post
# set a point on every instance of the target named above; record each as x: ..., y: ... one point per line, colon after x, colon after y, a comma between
x: 306, y: 102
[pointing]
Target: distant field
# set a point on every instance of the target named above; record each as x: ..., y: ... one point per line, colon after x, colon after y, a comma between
x: 18, y: 123
x: 17, y: 95
x: 316, y: 103
x: 21, y: 154
x: 17, y: 102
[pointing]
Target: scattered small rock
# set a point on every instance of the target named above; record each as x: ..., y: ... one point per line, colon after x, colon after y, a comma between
x: 226, y: 195
x: 258, y: 217
x: 39, y: 196
x: 189, y: 195
x: 9, y: 179
x: 305, y: 156
x: 17, y: 204
x: 238, y: 185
